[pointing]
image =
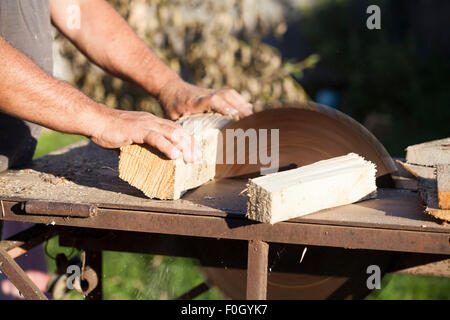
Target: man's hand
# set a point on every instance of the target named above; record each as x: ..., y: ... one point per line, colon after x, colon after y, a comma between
x: 121, y: 128
x: 179, y: 98
x: 108, y: 41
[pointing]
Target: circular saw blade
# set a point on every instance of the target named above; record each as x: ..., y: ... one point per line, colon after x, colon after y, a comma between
x: 308, y: 132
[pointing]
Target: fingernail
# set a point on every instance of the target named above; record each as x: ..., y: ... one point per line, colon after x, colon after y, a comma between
x: 176, y: 154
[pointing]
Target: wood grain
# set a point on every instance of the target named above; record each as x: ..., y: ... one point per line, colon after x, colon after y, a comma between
x: 159, y: 177
x: 443, y: 185
x: 297, y: 192
x: 429, y: 153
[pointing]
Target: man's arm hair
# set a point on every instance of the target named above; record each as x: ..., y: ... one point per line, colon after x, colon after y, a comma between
x: 31, y: 94
x: 107, y: 40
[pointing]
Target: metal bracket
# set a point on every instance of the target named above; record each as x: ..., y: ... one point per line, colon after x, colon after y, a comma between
x: 47, y: 208
x: 258, y: 252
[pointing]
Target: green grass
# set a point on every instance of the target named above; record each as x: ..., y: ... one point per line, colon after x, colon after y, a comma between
x: 132, y: 276
x: 51, y: 141
x: 137, y: 276
x: 406, y: 287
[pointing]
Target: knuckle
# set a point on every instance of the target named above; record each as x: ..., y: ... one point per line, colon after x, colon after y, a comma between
x: 173, y: 115
x: 154, y: 138
x: 216, y: 101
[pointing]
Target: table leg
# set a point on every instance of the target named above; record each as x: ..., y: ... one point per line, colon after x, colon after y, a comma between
x: 19, y: 278
x: 94, y: 261
x: 257, y: 270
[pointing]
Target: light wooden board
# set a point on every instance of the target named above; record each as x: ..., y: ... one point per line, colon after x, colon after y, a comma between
x: 419, y: 171
x: 159, y: 177
x: 430, y: 198
x: 297, y: 192
x: 429, y: 153
x: 443, y: 185
x: 405, y: 183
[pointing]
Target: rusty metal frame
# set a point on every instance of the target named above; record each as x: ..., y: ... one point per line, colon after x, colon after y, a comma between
x: 195, y: 225
x: 231, y: 227
x: 25, y: 240
x: 258, y: 263
x: 19, y: 278
x: 16, y: 246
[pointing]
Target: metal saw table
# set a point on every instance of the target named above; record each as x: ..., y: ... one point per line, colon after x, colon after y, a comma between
x: 75, y: 193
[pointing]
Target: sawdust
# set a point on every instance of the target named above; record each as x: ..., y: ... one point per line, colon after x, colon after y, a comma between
x: 48, y: 177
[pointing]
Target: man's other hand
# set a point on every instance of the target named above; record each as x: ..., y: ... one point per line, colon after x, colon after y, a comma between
x: 121, y: 128
x: 178, y: 98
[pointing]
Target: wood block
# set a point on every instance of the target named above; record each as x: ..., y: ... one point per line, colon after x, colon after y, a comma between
x: 419, y: 171
x: 405, y: 183
x: 429, y: 193
x: 429, y: 153
x: 400, y: 170
x: 297, y: 192
x: 430, y: 198
x: 443, y: 185
x: 159, y: 177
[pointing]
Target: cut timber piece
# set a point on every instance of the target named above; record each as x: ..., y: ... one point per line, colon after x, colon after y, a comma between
x: 429, y: 193
x: 297, y: 192
x: 405, y: 183
x: 419, y: 171
x: 158, y: 177
x: 430, y: 199
x: 443, y: 185
x: 429, y: 153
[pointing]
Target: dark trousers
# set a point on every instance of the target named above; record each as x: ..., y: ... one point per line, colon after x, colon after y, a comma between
x: 18, y: 140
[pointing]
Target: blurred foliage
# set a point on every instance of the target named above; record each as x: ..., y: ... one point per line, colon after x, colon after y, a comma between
x: 212, y: 43
x: 379, y: 71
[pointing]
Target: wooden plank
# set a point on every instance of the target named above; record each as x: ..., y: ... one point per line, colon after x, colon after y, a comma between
x: 400, y: 171
x: 429, y: 193
x: 92, y: 177
x: 429, y: 153
x: 159, y: 177
x: 421, y: 236
x: 405, y: 183
x: 424, y: 161
x: 419, y: 171
x: 443, y: 185
x: 297, y: 192
x: 430, y: 198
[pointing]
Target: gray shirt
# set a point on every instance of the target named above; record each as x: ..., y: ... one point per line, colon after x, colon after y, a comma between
x: 25, y: 25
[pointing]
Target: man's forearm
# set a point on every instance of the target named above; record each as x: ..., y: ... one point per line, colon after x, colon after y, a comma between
x: 31, y: 94
x: 109, y: 42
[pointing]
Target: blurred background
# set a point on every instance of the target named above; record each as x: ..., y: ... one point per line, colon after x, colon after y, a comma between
x: 394, y: 80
